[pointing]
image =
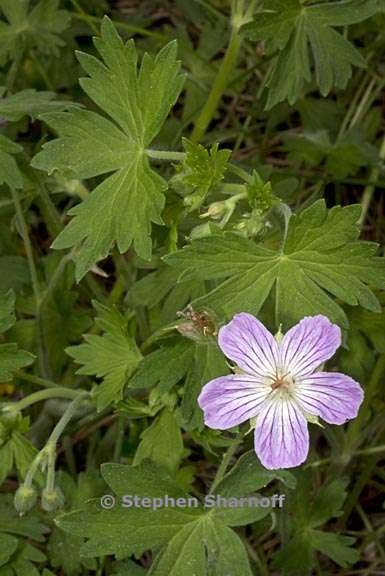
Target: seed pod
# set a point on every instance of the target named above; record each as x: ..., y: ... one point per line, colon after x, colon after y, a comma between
x: 24, y: 499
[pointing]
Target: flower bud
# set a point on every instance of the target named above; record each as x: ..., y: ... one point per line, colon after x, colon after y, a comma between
x: 24, y: 499
x: 52, y: 499
x: 216, y: 210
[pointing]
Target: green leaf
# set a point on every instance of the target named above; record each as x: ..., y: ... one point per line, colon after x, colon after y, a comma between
x: 336, y: 547
x: 226, y: 552
x: 63, y: 320
x: 11, y: 359
x: 30, y: 103
x: 39, y: 27
x: 162, y: 443
x: 14, y: 272
x: 201, y: 170
x: 166, y: 366
x: 248, y: 476
x: 304, y: 514
x: 372, y: 325
x: 208, y: 363
x: 8, y: 545
x: 320, y: 257
x: 185, y: 554
x: 9, y: 170
x: 161, y: 287
x: 15, y: 448
x: 22, y: 562
x: 132, y: 530
x: 193, y: 541
x: 196, y: 362
x: 342, y: 158
x: 328, y: 502
x: 111, y: 356
x: 29, y: 526
x: 64, y: 547
x: 122, y: 207
x: 303, y: 38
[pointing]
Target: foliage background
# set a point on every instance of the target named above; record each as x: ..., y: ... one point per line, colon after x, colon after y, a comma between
x: 242, y: 170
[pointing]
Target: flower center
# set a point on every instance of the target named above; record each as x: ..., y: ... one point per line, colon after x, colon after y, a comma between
x: 283, y: 382
x: 279, y: 382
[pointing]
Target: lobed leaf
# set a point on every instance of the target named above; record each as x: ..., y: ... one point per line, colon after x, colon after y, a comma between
x: 122, y: 207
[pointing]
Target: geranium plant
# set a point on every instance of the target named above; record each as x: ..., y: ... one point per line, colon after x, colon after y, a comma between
x: 192, y: 350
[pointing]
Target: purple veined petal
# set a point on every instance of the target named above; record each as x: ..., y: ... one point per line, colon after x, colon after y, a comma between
x: 247, y: 342
x: 230, y: 400
x: 333, y: 396
x: 308, y: 344
x: 281, y: 437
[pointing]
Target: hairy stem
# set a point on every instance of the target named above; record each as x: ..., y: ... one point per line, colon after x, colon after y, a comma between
x: 220, y: 84
x: 165, y: 155
x: 225, y: 463
x: 35, y: 379
x: 57, y: 392
x: 122, y: 25
x: 50, y: 446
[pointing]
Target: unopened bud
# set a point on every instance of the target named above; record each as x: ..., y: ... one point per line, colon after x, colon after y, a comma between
x: 216, y: 210
x: 52, y: 499
x: 24, y: 499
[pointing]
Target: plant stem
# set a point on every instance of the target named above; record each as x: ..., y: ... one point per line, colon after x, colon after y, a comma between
x: 57, y: 392
x: 224, y: 464
x: 363, y: 452
x: 41, y: 70
x: 67, y: 416
x: 122, y: 25
x: 34, y: 277
x: 220, y: 83
x: 35, y: 379
x: 48, y: 208
x: 369, y: 190
x: 50, y: 446
x: 165, y: 155
x: 27, y: 245
x: 84, y: 16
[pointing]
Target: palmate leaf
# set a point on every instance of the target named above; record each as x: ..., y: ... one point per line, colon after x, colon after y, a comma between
x: 342, y: 158
x: 194, y: 540
x: 320, y: 258
x: 26, y: 26
x: 201, y: 170
x: 123, y: 206
x: 303, y: 37
x: 111, y: 356
x: 305, y: 538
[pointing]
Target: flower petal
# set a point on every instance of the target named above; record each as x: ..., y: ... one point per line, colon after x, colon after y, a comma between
x: 230, y: 400
x: 331, y: 395
x: 281, y: 434
x: 308, y: 344
x: 247, y: 342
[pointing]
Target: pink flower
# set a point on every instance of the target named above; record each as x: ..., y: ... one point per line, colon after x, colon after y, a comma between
x: 279, y: 384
